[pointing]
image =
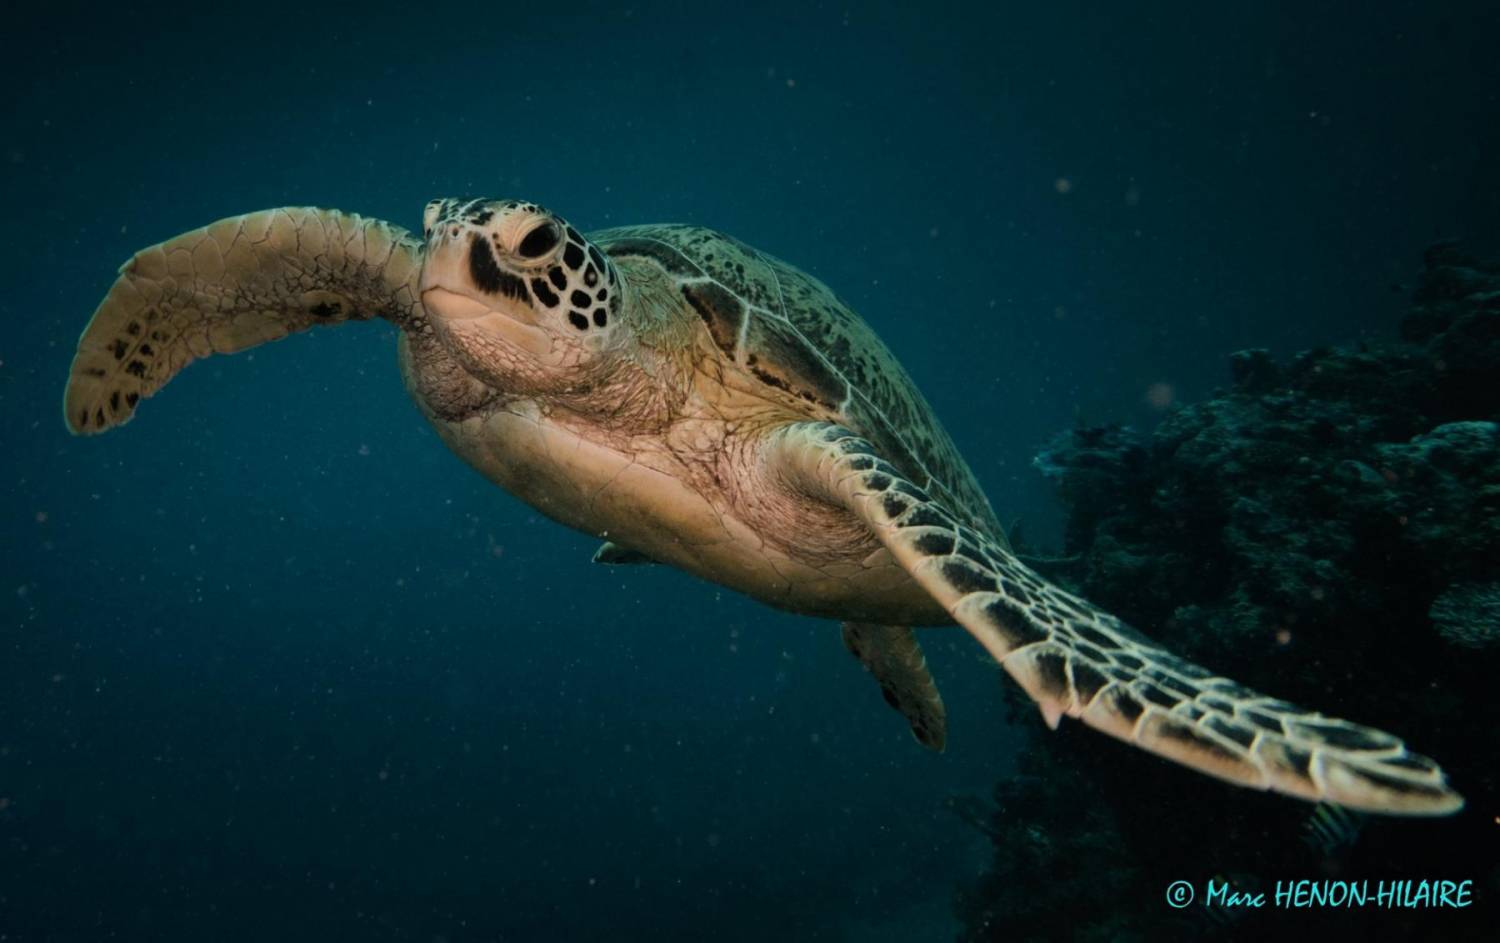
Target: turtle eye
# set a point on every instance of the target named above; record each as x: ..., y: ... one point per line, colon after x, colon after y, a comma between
x: 539, y: 241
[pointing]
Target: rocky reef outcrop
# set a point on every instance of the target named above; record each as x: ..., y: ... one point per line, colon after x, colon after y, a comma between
x: 1327, y: 530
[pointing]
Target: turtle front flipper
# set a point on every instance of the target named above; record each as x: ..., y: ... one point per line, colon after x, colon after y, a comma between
x: 231, y: 285
x: 892, y: 655
x: 1074, y: 659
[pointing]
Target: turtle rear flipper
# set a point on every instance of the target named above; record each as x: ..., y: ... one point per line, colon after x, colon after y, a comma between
x: 235, y: 284
x: 1075, y: 659
x: 892, y: 655
x: 612, y: 554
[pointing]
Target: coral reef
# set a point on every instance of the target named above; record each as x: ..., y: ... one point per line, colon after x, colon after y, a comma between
x: 1468, y: 615
x: 1326, y: 530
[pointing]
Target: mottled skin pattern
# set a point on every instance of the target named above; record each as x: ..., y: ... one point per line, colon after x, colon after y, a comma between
x: 698, y: 404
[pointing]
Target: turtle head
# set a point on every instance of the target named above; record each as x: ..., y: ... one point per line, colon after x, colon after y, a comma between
x: 523, y: 300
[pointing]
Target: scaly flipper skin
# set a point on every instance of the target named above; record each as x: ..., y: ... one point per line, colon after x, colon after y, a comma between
x: 232, y: 285
x: 892, y: 655
x: 1074, y: 659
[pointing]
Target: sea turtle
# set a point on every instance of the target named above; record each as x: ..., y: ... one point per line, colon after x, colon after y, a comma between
x: 701, y: 404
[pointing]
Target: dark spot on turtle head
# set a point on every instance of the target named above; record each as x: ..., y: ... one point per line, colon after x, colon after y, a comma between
x: 132, y: 398
x: 114, y: 401
x: 544, y: 293
x: 135, y: 368
x: 573, y: 256
x: 118, y: 348
x: 601, y: 318
x: 488, y: 276
x: 558, y: 277
x: 133, y: 329
x: 591, y: 276
x: 602, y: 294
x: 578, y: 320
x: 580, y: 299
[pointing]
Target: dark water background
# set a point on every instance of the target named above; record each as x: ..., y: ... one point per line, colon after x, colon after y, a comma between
x: 275, y: 665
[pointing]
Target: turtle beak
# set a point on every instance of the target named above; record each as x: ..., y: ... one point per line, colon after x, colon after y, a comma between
x: 452, y: 306
x: 445, y: 276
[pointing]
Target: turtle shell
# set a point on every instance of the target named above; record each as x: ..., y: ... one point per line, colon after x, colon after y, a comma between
x: 791, y: 332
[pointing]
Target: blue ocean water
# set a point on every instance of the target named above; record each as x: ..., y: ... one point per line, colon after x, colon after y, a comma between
x: 277, y: 665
